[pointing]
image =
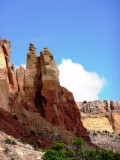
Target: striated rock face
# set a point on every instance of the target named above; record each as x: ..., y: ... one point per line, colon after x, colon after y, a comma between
x: 59, y: 107
x: 102, y: 119
x: 37, y: 90
x: 13, y: 85
x: 3, y: 94
x: 4, y: 54
x: 4, y: 66
x: 101, y: 115
x: 20, y: 78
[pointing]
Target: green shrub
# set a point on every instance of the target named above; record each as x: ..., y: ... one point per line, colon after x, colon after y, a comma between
x: 78, y: 143
x: 94, y: 133
x: 105, y: 131
x: 71, y: 155
x: 117, y: 156
x: 32, y: 132
x: 106, y: 154
x: 10, y: 141
x: 57, y: 152
x: 54, y: 155
x: 111, y: 136
x: 58, y: 146
x: 101, y: 155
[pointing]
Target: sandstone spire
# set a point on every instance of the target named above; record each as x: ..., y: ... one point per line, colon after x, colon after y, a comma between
x: 49, y: 68
x: 32, y: 72
x: 31, y: 57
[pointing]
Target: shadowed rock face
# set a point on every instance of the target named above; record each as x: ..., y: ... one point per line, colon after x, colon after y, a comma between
x: 101, y: 115
x: 37, y: 89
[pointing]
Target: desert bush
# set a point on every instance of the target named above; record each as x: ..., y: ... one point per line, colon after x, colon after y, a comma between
x: 32, y: 132
x: 99, y: 132
x: 10, y: 141
x: 78, y: 143
x: 54, y: 155
x: 98, y: 154
x: 94, y: 133
x: 57, y: 152
x: 58, y: 146
x: 105, y: 131
x: 111, y: 136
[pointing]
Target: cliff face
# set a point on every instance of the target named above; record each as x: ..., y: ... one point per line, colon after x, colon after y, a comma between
x: 36, y: 90
x: 4, y: 72
x: 101, y: 115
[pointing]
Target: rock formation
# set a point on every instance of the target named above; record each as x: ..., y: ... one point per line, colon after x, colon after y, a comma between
x: 36, y: 91
x: 102, y: 119
x: 4, y: 67
x: 32, y: 103
x: 101, y: 115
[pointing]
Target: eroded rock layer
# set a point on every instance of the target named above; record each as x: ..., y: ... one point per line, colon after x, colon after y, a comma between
x: 100, y: 115
x: 36, y: 89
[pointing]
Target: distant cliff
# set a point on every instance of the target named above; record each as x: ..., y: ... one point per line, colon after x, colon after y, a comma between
x: 102, y: 119
x: 101, y: 115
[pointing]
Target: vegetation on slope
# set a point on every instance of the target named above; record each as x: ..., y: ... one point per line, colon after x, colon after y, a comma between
x: 78, y: 151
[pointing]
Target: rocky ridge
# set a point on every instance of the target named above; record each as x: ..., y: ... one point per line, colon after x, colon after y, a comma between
x: 35, y: 92
x: 101, y: 115
x: 102, y: 119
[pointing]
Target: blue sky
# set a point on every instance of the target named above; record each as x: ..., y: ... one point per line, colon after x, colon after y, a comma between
x: 84, y: 31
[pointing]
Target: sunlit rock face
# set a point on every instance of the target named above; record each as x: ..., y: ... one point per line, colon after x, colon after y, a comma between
x: 100, y: 115
x: 4, y: 76
x: 59, y: 107
x: 36, y: 89
x: 20, y: 78
x: 33, y: 69
x: 34, y: 93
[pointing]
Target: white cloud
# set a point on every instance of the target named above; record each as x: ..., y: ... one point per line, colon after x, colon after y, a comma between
x: 83, y: 84
x: 24, y: 65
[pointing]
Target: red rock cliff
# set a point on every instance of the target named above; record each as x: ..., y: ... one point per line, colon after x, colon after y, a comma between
x: 37, y: 89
